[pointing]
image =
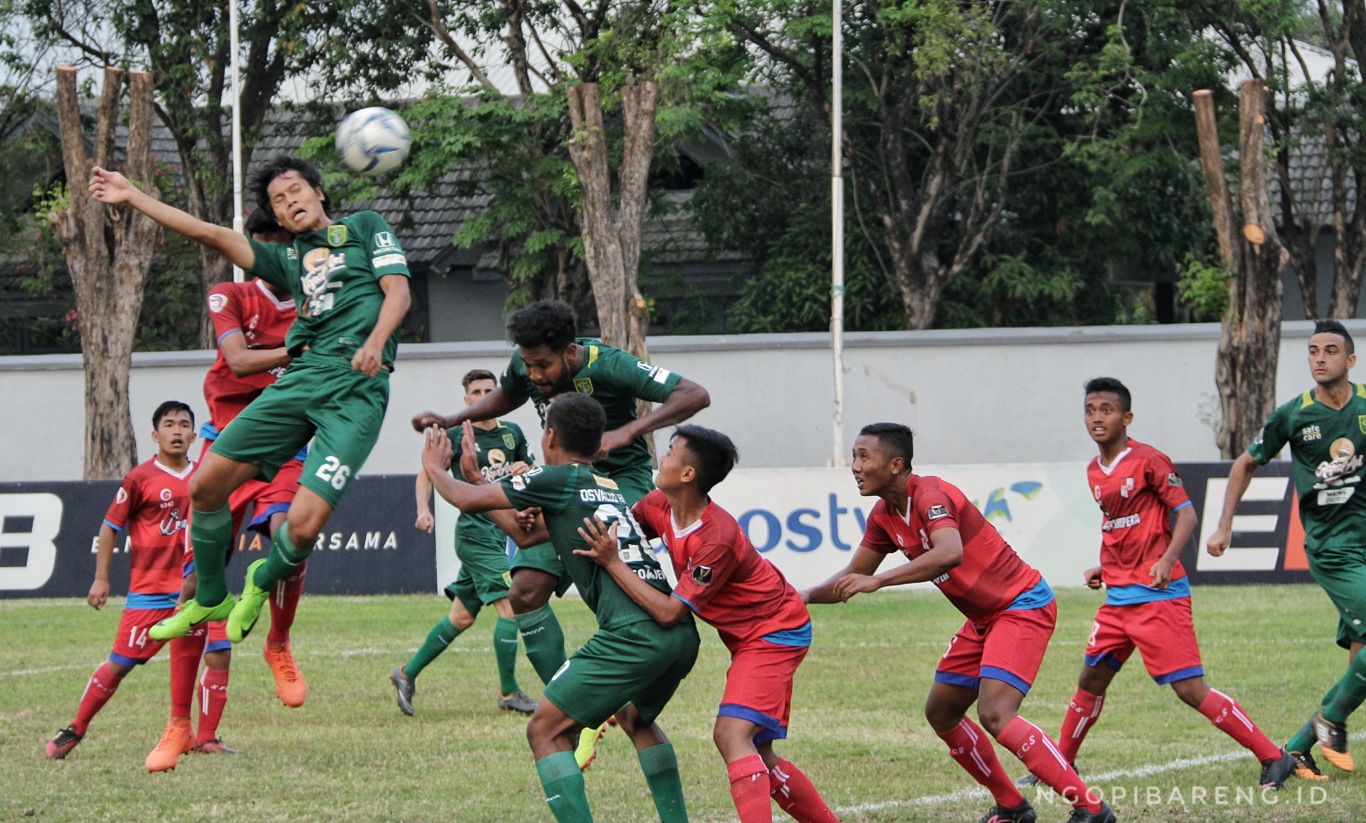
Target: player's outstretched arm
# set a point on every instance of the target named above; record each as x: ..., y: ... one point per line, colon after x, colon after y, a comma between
x: 686, y: 399
x: 946, y: 552
x: 605, y: 550
x: 494, y: 404
x: 369, y: 358
x: 1239, y: 477
x: 436, y: 461
x: 110, y: 187
x: 104, y: 552
x: 243, y: 360
x: 422, y: 490
x: 864, y: 562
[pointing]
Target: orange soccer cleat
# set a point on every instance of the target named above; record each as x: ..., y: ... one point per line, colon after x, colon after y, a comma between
x: 175, y: 741
x: 290, y: 685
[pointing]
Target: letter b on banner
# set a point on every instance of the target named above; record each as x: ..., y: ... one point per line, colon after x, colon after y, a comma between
x: 29, y: 524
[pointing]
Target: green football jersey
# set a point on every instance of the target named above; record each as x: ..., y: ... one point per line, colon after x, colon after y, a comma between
x: 499, y: 448
x: 334, y: 274
x: 1328, y: 453
x: 568, y: 494
x: 616, y: 380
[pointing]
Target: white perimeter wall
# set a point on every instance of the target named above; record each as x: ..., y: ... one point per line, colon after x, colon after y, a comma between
x: 972, y: 396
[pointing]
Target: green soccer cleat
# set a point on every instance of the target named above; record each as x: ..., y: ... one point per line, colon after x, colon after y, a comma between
x: 587, y: 749
x: 248, y: 608
x: 189, y: 616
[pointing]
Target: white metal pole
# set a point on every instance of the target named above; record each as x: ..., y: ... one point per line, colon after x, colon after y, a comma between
x: 237, y: 274
x: 837, y: 231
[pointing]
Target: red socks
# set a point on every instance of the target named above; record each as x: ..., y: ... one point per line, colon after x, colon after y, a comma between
x: 797, y: 795
x: 972, y: 748
x: 103, y: 683
x: 1039, y: 754
x: 284, y: 601
x: 1082, y: 714
x: 1225, y: 713
x: 185, y: 654
x: 749, y: 789
x: 213, y: 697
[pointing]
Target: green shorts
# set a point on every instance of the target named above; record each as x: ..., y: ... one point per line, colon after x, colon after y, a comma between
x: 640, y: 663
x: 635, y: 482
x: 1341, y: 571
x: 483, y: 577
x: 336, y: 407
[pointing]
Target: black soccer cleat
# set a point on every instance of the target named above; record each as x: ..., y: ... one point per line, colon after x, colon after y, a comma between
x: 1081, y: 815
x: 403, y: 690
x: 59, y: 746
x: 1023, y: 813
x: 1306, y: 768
x: 1333, y: 740
x: 1275, y: 772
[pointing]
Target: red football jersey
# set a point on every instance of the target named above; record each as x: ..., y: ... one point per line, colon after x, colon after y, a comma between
x: 721, y: 576
x: 1136, y: 494
x: 153, y: 506
x: 991, y: 575
x: 263, y: 320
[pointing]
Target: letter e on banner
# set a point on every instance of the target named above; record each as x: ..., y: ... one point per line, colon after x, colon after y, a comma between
x: 29, y: 524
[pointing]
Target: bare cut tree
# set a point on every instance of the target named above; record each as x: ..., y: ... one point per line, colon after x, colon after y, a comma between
x: 1250, y: 333
x: 108, y: 253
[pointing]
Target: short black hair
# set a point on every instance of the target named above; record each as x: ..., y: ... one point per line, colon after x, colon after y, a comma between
x: 476, y: 374
x: 167, y: 408
x: 261, y: 221
x: 549, y: 323
x: 276, y: 166
x: 1335, y: 327
x: 894, y: 437
x: 714, y: 455
x: 1110, y: 384
x: 578, y: 421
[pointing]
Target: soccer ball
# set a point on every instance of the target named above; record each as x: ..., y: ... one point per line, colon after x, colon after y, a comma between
x: 372, y: 140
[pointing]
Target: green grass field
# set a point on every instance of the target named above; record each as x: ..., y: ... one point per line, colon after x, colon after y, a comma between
x: 857, y: 728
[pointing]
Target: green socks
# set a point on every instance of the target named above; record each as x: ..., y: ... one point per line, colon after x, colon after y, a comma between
x: 1304, y: 739
x: 437, y: 640
x: 660, y: 766
x: 563, y: 784
x: 283, y: 560
x: 210, y: 533
x: 1351, y: 691
x: 505, y: 651
x: 544, y: 641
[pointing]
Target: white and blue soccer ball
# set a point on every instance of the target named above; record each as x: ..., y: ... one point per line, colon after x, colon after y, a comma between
x: 372, y: 140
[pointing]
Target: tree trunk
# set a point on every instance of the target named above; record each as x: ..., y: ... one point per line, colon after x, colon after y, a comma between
x: 611, y: 224
x: 1250, y: 334
x: 108, y: 254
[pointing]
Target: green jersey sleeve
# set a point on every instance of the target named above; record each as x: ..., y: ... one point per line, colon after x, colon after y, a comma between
x: 548, y: 487
x: 644, y: 380
x: 514, y: 379
x: 386, y: 255
x: 1275, y: 433
x: 272, y: 262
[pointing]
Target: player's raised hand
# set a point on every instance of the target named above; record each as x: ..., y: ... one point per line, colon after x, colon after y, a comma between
x: 601, y: 538
x: 436, y: 451
x: 520, y: 467
x: 1091, y: 577
x: 427, y: 419
x: 852, y: 584
x: 99, y: 594
x: 469, y: 451
x: 529, y: 518
x: 109, y: 186
x: 425, y: 522
x: 367, y: 361
x: 1217, y: 542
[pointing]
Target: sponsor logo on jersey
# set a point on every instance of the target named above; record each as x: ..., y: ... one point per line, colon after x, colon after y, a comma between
x: 1343, y: 461
x: 701, y: 575
x: 1124, y: 522
x: 319, y: 266
x: 583, y: 385
x: 937, y: 512
x: 337, y: 234
x: 385, y: 240
x: 1312, y: 433
x: 605, y: 482
x: 121, y: 496
x: 389, y: 260
x: 218, y: 302
x: 518, y: 481
x: 166, y: 494
x: 1174, y: 479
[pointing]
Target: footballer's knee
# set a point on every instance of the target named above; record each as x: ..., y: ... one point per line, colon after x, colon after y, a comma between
x: 530, y: 590
x: 1095, y: 680
x: 995, y: 718
x: 1192, y: 691
x: 460, y: 616
x: 220, y: 659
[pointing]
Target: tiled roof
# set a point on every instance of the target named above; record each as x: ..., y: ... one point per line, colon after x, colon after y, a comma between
x: 1311, y: 182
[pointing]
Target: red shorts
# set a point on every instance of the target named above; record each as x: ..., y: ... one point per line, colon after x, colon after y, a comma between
x: 269, y: 496
x: 1161, y: 630
x: 132, y: 646
x: 759, y: 687
x: 1010, y: 649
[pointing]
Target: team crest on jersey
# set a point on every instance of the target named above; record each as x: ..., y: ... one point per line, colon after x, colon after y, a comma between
x: 1361, y: 423
x: 218, y: 302
x: 1126, y: 488
x: 166, y: 494
x: 937, y: 512
x: 701, y: 575
x: 336, y: 234
x: 509, y: 440
x: 583, y: 385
